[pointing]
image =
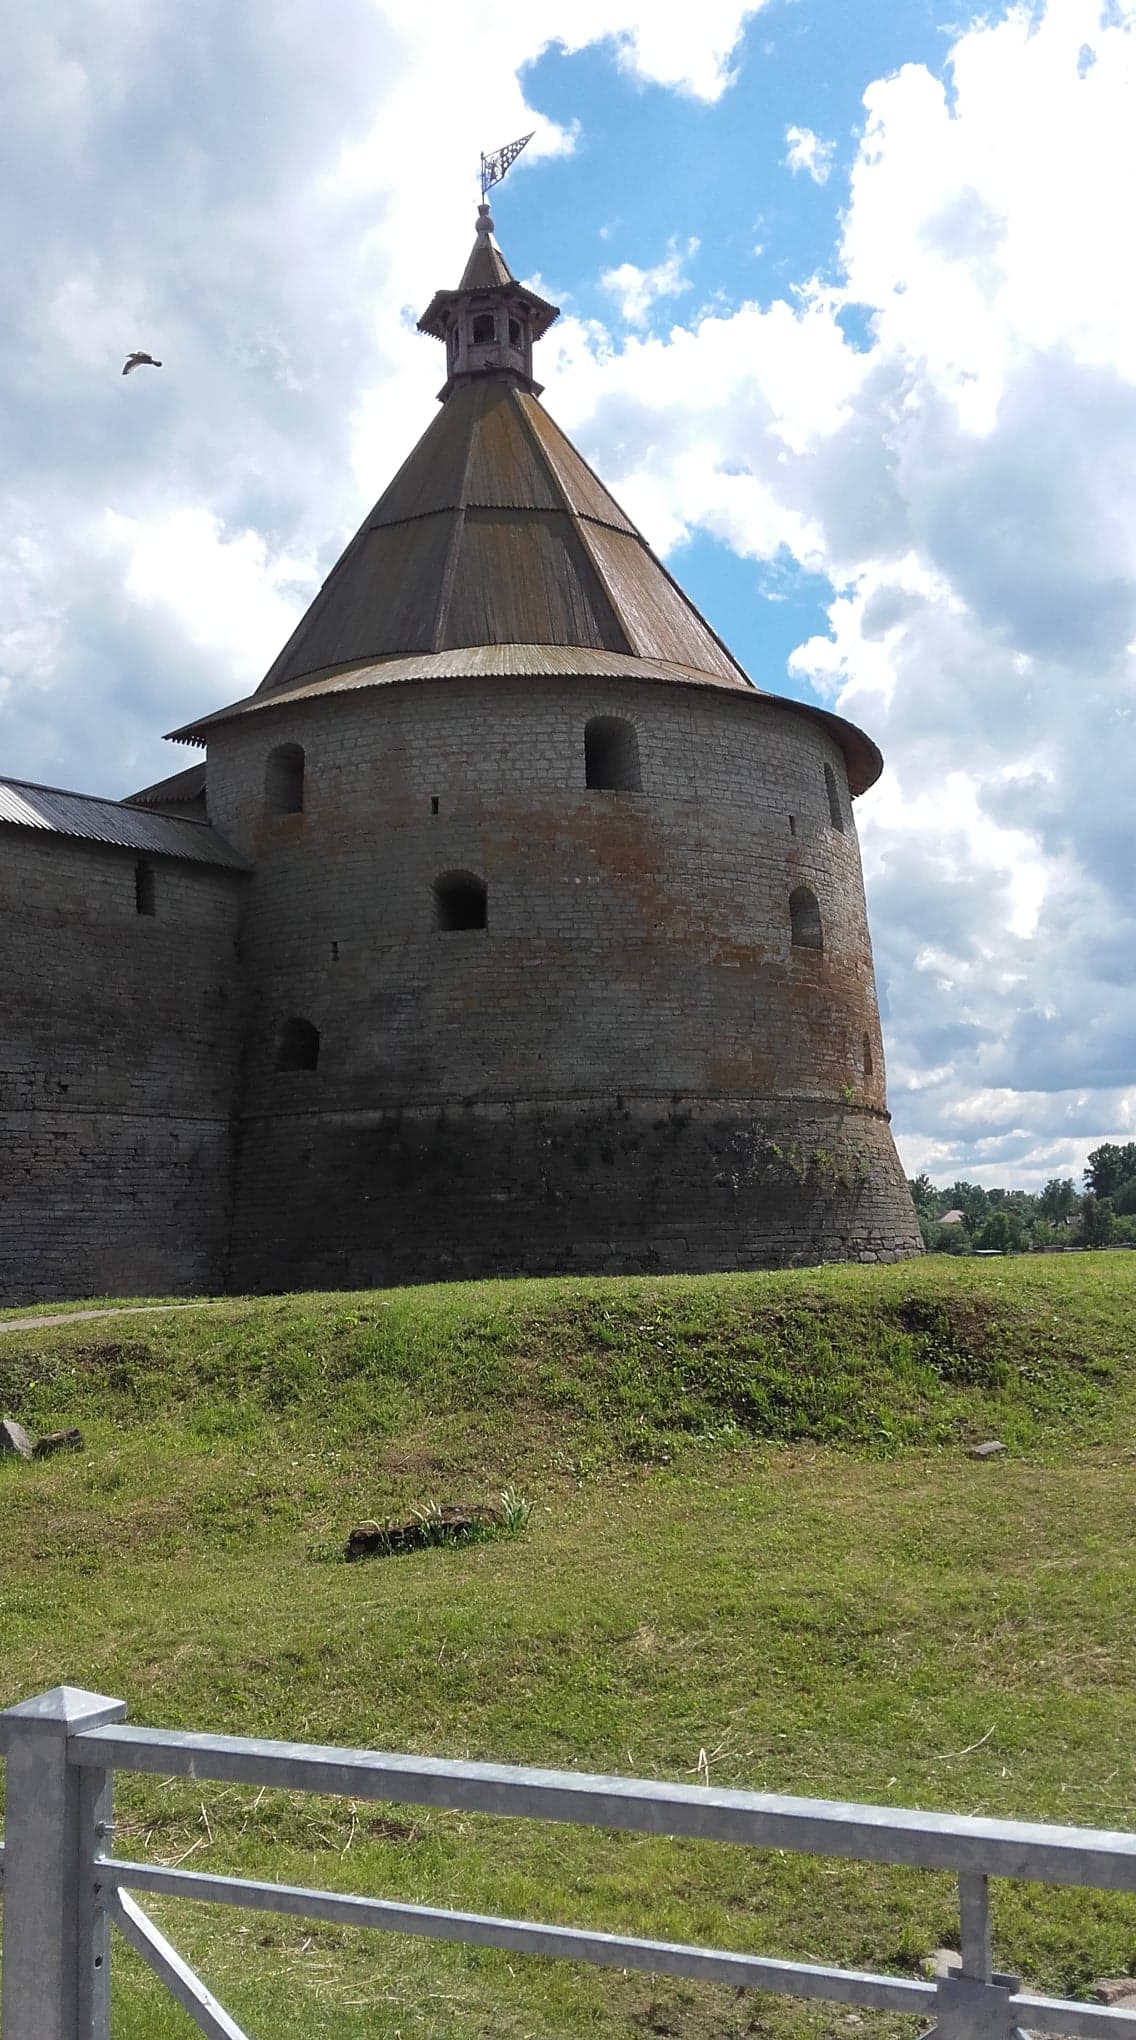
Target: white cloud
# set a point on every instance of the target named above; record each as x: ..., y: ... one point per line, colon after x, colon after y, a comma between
x: 224, y: 593
x: 969, y: 485
x: 256, y: 204
x: 667, y: 45
x: 636, y: 290
x: 808, y: 152
x: 967, y: 481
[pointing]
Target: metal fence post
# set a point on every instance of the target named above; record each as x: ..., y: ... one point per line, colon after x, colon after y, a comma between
x: 974, y: 2001
x: 56, y: 1949
x: 974, y: 1919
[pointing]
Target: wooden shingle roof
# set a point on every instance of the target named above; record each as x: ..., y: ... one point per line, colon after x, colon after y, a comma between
x: 496, y: 531
x: 496, y: 548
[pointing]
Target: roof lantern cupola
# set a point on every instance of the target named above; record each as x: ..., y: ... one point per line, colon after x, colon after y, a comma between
x: 490, y: 322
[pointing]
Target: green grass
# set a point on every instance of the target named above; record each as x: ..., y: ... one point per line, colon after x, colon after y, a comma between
x: 757, y: 1547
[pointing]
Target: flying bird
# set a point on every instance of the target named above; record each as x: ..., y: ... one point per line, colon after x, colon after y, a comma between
x: 139, y: 361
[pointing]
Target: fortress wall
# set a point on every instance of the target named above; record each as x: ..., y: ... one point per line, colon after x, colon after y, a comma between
x: 118, y: 1052
x: 630, y: 1065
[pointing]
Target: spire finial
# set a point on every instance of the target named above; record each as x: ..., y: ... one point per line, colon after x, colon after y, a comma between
x: 484, y: 219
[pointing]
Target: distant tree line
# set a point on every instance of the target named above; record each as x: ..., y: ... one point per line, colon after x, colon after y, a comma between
x: 978, y: 1221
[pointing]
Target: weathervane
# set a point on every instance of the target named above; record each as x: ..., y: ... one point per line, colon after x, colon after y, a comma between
x: 494, y: 166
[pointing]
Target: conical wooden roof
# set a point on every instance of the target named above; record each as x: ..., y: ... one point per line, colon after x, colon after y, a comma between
x: 487, y: 267
x: 497, y: 550
x: 496, y: 531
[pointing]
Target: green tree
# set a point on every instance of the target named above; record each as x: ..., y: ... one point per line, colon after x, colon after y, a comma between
x: 1109, y: 1167
x: 969, y: 1198
x: 924, y: 1195
x: 1002, y: 1233
x: 1058, y: 1200
x: 1043, y: 1235
x: 951, y: 1239
x: 1097, y: 1221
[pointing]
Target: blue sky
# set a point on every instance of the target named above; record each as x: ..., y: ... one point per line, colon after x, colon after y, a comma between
x: 849, y: 325
x: 651, y: 165
x: 650, y: 162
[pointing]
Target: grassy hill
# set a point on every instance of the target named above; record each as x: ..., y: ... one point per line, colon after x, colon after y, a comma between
x: 758, y: 1550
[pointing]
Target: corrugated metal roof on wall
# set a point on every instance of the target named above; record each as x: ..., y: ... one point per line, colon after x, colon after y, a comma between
x: 180, y: 789
x: 83, y: 815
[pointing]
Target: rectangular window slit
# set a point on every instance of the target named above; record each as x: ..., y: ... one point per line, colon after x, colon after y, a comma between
x: 433, y: 803
x: 144, y: 888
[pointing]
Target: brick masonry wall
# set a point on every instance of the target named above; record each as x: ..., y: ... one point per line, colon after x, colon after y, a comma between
x: 630, y: 1065
x: 118, y: 1052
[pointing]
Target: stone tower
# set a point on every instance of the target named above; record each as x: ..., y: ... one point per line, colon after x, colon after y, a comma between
x: 554, y: 954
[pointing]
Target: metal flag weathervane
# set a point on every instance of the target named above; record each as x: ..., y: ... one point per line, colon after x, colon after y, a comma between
x: 494, y: 166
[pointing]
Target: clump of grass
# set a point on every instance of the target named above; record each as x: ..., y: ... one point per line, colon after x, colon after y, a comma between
x: 515, y: 1512
x: 436, y: 1523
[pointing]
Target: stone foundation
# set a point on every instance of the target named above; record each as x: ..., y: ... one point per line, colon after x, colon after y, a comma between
x: 636, y: 1186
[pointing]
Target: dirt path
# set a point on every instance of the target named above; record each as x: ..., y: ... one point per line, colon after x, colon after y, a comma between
x: 77, y: 1317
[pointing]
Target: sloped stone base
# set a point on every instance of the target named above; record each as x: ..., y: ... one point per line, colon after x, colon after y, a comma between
x: 629, y: 1186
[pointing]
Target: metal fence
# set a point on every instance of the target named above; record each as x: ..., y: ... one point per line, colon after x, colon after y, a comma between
x: 64, y: 1888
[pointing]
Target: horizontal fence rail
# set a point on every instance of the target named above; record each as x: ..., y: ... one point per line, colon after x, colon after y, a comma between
x: 760, y: 1820
x: 63, y: 1887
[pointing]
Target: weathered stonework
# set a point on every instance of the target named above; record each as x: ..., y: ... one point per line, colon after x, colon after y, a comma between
x: 118, y: 1055
x: 579, y: 1186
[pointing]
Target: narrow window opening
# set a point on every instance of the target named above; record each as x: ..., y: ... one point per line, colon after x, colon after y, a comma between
x: 869, y: 1065
x: 299, y: 1045
x: 144, y: 893
x: 484, y: 330
x: 284, y: 780
x: 433, y: 804
x: 611, y: 755
x: 836, y: 815
x: 514, y: 332
x: 792, y: 825
x: 335, y: 952
x: 460, y: 901
x: 804, y: 915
